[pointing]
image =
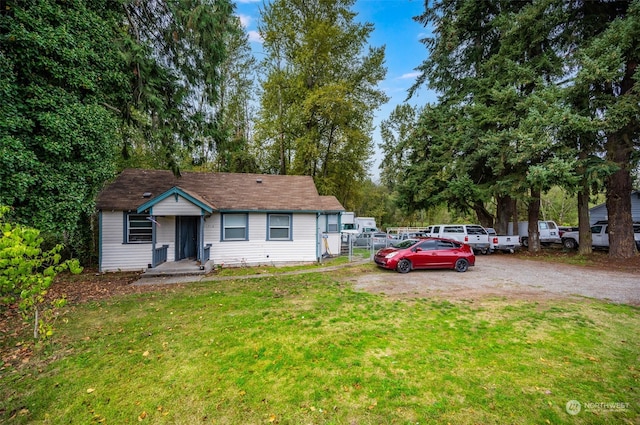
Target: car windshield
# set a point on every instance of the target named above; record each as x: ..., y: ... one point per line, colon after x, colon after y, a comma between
x: 407, y: 243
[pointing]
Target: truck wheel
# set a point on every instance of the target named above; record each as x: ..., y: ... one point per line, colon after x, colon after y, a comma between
x: 569, y: 243
x: 462, y: 265
x: 525, y: 242
x: 404, y: 266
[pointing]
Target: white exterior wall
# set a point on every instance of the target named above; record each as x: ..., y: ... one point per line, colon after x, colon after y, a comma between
x: 166, y: 234
x: 258, y: 250
x: 170, y: 206
x: 333, y: 239
x: 116, y: 255
x: 333, y: 243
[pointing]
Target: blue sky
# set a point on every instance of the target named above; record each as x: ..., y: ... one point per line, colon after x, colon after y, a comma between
x: 394, y: 28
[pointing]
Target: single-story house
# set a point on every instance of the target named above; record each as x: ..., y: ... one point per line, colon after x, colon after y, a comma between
x: 599, y: 212
x: 148, y: 217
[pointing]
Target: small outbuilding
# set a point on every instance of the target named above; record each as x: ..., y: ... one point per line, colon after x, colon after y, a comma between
x: 148, y: 217
x: 600, y: 213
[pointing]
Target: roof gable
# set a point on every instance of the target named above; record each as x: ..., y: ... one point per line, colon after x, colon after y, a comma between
x: 175, y: 191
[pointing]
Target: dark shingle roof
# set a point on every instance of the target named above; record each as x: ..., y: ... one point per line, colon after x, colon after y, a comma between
x: 221, y: 191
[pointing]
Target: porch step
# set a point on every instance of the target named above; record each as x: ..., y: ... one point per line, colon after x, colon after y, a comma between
x: 178, y: 268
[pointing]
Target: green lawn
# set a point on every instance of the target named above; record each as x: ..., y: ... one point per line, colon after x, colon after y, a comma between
x: 307, y: 349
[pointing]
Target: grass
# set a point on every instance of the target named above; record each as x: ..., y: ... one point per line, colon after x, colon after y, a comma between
x: 357, y: 254
x: 307, y: 349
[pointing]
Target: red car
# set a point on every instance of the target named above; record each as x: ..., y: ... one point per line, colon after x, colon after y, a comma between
x: 429, y: 253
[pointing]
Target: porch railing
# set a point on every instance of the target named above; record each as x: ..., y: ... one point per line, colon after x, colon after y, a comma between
x: 206, y: 254
x: 160, y: 255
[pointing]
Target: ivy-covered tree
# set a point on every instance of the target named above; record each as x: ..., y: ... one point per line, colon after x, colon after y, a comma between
x: 59, y: 72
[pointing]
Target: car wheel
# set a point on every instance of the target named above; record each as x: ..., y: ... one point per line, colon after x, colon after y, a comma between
x: 525, y: 242
x: 569, y: 243
x: 462, y: 265
x: 404, y: 266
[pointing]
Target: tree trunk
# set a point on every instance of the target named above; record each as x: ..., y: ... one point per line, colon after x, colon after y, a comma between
x: 484, y: 216
x: 532, y: 216
x: 621, y: 240
x: 504, y: 213
x: 583, y: 219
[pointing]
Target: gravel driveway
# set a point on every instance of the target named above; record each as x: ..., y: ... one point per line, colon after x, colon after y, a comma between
x: 507, y: 276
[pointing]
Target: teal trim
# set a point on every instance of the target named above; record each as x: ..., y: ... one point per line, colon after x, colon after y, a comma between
x: 175, y: 191
x: 318, y: 247
x: 230, y: 211
x: 125, y: 226
x: 100, y: 241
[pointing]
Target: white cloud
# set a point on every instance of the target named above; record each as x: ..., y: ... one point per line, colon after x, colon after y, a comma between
x: 254, y: 36
x: 409, y: 76
x: 245, y: 20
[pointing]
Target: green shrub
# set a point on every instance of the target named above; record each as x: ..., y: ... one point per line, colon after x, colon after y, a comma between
x: 27, y: 271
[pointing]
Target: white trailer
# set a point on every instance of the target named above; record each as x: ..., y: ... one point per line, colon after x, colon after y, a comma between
x: 366, y: 224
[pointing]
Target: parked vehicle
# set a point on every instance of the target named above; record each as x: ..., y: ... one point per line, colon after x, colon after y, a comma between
x: 366, y: 224
x: 599, y: 236
x: 506, y: 243
x: 411, y: 235
x: 563, y: 229
x: 430, y: 253
x: 398, y: 231
x: 548, y: 230
x: 348, y: 226
x: 377, y: 239
x: 472, y: 234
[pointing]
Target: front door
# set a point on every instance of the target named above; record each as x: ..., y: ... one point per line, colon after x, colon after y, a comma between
x: 187, y: 238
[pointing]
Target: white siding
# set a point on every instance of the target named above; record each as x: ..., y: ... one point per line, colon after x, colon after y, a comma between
x: 333, y: 240
x: 333, y: 244
x: 117, y: 255
x: 258, y: 250
x: 166, y: 235
x: 170, y: 206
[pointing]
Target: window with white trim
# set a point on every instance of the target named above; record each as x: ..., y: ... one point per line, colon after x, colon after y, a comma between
x: 279, y: 227
x: 234, y: 227
x: 139, y: 228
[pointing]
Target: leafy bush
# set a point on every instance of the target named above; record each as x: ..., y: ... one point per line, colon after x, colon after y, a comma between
x: 27, y: 271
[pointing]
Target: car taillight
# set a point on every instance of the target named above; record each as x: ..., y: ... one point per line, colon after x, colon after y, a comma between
x: 466, y: 238
x: 495, y: 241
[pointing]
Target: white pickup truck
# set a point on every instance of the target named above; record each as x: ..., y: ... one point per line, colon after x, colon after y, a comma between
x: 471, y: 234
x: 599, y: 236
x: 508, y: 243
